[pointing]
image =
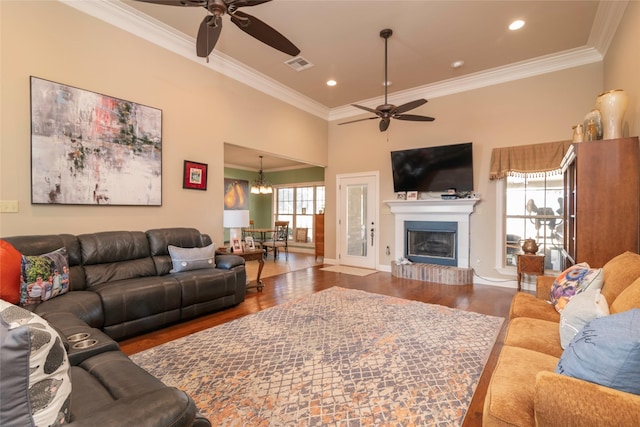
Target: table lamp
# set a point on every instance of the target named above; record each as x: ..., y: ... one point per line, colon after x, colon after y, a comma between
x: 235, y: 220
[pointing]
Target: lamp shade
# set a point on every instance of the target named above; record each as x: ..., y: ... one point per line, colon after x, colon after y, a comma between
x: 235, y: 218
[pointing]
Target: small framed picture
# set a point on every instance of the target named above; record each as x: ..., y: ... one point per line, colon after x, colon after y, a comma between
x: 401, y: 195
x: 194, y: 175
x: 249, y: 243
x: 412, y: 195
x: 236, y: 245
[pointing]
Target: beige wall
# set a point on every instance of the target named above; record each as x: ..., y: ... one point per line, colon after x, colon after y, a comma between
x: 622, y: 65
x: 201, y: 110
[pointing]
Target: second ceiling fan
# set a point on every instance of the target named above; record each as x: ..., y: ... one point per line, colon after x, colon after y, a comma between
x: 387, y: 111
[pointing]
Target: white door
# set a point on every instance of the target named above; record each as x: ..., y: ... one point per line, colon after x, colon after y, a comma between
x: 357, y: 219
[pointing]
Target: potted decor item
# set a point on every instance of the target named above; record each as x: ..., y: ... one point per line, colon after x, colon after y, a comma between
x: 592, y: 126
x: 612, y: 106
x: 578, y: 133
x: 529, y: 246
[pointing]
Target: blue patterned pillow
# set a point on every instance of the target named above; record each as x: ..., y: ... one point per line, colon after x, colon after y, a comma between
x: 606, y: 352
x: 34, y: 370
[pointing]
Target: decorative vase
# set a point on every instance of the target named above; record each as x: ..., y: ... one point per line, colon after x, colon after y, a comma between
x: 578, y: 134
x: 592, y: 125
x: 612, y: 106
x: 529, y: 246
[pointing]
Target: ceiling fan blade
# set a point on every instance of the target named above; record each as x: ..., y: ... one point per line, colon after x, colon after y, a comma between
x: 208, y: 35
x: 414, y: 118
x: 384, y: 124
x: 244, y: 3
x: 202, y: 3
x: 409, y: 106
x: 263, y: 32
x: 359, y: 120
x: 362, y: 107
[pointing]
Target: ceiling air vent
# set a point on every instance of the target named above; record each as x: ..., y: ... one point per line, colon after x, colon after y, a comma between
x: 299, y: 63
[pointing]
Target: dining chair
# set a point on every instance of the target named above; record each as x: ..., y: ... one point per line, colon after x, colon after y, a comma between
x: 279, y: 240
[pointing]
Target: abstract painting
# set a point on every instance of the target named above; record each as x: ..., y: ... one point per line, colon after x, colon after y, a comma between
x: 93, y: 149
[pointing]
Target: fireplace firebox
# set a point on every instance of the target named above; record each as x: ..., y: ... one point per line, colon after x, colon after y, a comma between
x: 432, y: 242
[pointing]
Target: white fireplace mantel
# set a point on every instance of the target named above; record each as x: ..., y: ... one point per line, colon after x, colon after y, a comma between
x: 454, y: 210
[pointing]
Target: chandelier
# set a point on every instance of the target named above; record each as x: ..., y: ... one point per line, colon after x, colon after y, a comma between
x: 260, y: 185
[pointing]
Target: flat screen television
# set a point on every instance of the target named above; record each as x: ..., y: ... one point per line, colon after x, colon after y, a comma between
x: 435, y: 169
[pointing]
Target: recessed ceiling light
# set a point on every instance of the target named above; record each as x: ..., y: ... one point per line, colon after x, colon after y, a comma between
x: 516, y: 25
x: 457, y: 64
x: 331, y: 82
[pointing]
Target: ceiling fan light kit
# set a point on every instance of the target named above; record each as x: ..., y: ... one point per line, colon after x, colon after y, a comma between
x: 211, y: 25
x: 387, y: 111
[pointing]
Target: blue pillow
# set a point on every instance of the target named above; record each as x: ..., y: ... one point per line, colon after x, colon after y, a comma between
x: 606, y: 352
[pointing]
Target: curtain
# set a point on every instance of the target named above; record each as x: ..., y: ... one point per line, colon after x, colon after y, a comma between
x: 527, y: 160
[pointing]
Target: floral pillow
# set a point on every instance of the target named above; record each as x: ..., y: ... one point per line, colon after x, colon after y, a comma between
x: 44, y: 277
x: 572, y: 281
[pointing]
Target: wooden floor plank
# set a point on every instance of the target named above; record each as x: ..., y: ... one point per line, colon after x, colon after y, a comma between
x: 281, y: 288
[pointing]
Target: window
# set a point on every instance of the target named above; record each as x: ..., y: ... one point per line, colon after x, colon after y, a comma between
x: 534, y: 209
x: 297, y: 204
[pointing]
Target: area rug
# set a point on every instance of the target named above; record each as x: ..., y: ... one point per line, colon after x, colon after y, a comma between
x: 338, y: 357
x: 354, y: 271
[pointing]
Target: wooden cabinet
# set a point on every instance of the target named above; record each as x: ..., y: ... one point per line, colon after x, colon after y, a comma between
x: 601, y: 200
x: 318, y: 234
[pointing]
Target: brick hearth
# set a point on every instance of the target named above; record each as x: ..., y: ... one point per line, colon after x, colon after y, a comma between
x: 433, y: 273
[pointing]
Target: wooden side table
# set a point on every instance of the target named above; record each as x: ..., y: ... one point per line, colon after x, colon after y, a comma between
x: 529, y: 264
x: 249, y: 255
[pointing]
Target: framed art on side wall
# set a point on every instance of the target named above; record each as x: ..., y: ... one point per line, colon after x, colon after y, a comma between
x: 93, y: 149
x: 194, y: 175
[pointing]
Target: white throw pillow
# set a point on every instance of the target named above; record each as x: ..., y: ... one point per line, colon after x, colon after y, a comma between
x: 580, y: 310
x: 34, y: 368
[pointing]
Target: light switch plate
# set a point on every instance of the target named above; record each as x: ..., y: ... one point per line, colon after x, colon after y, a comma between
x: 8, y: 206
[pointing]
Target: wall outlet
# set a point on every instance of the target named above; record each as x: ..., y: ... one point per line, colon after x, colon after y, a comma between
x: 9, y: 206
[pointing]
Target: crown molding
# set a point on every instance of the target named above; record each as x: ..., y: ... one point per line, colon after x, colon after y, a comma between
x: 129, y: 19
x: 605, y: 24
x: 519, y: 70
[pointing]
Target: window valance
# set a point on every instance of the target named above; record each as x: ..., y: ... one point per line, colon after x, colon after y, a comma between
x: 527, y: 159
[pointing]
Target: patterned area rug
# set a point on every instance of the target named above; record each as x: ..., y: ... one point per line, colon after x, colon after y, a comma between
x: 337, y: 357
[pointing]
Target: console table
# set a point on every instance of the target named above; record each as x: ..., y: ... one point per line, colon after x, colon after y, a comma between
x: 248, y: 255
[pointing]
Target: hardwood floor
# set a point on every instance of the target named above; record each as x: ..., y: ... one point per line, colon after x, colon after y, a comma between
x: 295, y: 284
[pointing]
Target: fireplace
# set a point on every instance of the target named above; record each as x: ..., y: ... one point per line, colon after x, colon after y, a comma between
x: 446, y: 214
x: 431, y: 242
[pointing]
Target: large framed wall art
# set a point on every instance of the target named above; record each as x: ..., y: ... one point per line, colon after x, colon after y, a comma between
x: 93, y: 149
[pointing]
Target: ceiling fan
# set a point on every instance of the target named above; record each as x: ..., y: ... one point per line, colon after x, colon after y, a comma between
x: 387, y: 111
x: 211, y: 25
